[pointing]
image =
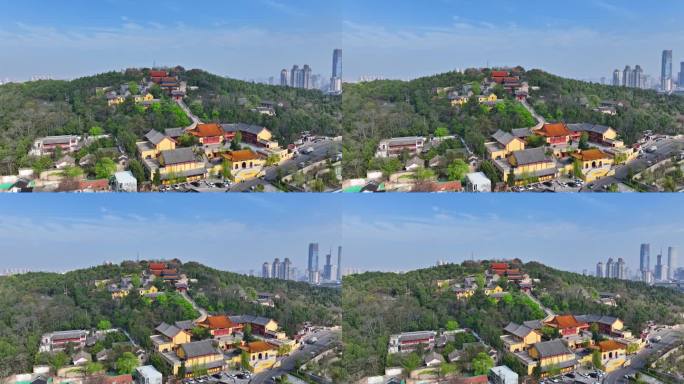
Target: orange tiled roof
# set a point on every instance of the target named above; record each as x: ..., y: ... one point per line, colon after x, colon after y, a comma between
x: 554, y: 130
x: 610, y: 345
x: 500, y: 73
x: 241, y: 155
x: 566, y: 321
x: 158, y: 73
x: 218, y: 322
x: 591, y: 155
x: 258, y: 346
x: 158, y: 266
x: 208, y: 130
x: 499, y: 266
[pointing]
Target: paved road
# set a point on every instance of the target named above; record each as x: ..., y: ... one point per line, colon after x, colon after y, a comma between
x: 202, y: 311
x: 541, y: 120
x: 195, y: 120
x: 666, y: 148
x: 670, y: 337
x: 322, y: 150
x: 548, y: 311
x: 288, y: 364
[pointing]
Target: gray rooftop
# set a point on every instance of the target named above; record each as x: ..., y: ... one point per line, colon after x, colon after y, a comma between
x: 433, y: 356
x: 601, y: 319
x: 154, y: 137
x: 478, y: 178
x: 242, y: 319
x: 125, y: 177
x: 168, y: 330
x: 60, y: 335
x: 521, y: 132
x: 178, y: 156
x: 199, y: 348
x: 534, y: 324
x: 174, y: 132
x: 531, y: 156
x: 148, y: 371
x: 586, y: 127
x: 552, y: 348
x: 242, y: 127
x: 65, y: 139
x: 502, y: 137
x: 518, y: 330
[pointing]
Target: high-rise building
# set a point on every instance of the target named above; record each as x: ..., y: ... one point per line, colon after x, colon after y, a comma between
x: 671, y: 262
x: 336, y: 79
x: 306, y: 77
x: 638, y: 77
x: 312, y: 267
x: 327, y: 269
x: 645, y: 258
x: 284, y: 78
x: 626, y: 76
x: 599, y: 269
x: 339, y: 263
x: 666, y: 71
x: 610, y: 267
x: 295, y: 73
x: 681, y: 74
x: 286, y: 269
x: 617, y: 78
x: 659, y: 271
x: 621, y: 274
x: 275, y: 268
x: 266, y: 270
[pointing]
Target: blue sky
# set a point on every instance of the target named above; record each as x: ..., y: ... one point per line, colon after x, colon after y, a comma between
x: 399, y: 232
x: 238, y: 233
x: 241, y: 38
x: 392, y: 232
x: 247, y: 39
x: 583, y: 39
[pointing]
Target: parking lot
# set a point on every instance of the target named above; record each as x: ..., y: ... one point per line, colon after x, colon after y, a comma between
x: 229, y: 377
x: 580, y: 376
x: 558, y: 185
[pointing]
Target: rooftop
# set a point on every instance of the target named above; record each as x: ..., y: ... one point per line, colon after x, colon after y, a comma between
x: 502, y: 137
x: 552, y: 348
x: 591, y: 155
x: 241, y: 155
x: 218, y: 322
x: 259, y: 346
x: 208, y: 130
x: 178, y: 156
x: 531, y: 156
x: 554, y: 130
x: 154, y: 137
x: 199, y: 348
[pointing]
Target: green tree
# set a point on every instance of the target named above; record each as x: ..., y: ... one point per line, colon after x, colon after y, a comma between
x: 247, y: 333
x: 235, y: 143
x: 482, y: 363
x: 127, y: 363
x: 441, y: 132
x: 411, y: 362
x: 596, y: 359
x: 58, y: 361
x: 72, y: 172
x: 584, y: 141
x: 92, y: 368
x: 577, y: 168
x: 105, y: 168
x: 137, y: 170
x: 133, y: 88
x: 244, y: 360
x: 457, y: 170
x: 452, y: 325
x: 104, y: 325
x: 156, y: 179
x: 447, y: 369
x: 96, y: 131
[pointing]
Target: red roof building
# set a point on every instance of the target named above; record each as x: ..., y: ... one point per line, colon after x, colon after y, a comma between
x: 567, y: 325
x: 557, y: 133
x: 209, y: 133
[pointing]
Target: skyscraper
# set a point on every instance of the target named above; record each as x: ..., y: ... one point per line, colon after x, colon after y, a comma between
x: 336, y: 79
x: 681, y: 74
x: 671, y: 262
x: 286, y: 269
x: 645, y: 258
x: 666, y: 71
x: 284, y: 78
x: 621, y: 274
x: 626, y: 76
x: 599, y: 269
x: 306, y: 77
x: 339, y: 263
x: 312, y: 267
x: 294, y: 76
x: 659, y: 271
x: 637, y: 77
x: 610, y: 267
x: 266, y: 270
x: 275, y: 269
x: 617, y: 78
x: 327, y: 269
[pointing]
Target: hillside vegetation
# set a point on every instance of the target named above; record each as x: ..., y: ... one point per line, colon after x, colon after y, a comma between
x: 376, y: 305
x: 35, y: 303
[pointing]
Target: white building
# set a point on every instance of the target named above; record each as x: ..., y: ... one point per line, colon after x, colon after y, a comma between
x: 124, y: 182
x: 478, y: 182
x: 147, y: 375
x: 502, y: 375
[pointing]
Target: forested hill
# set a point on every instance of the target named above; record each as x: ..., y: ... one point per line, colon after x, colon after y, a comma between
x: 573, y: 101
x: 391, y: 108
x: 229, y: 100
x: 54, y: 107
x: 35, y: 303
x: 379, y: 304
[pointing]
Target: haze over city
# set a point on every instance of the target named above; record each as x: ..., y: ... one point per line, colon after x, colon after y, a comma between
x: 400, y: 232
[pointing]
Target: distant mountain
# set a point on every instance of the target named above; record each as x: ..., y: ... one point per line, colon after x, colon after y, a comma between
x: 376, y: 305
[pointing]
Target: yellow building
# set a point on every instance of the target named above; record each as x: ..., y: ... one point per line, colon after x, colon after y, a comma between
x: 155, y: 144
x: 459, y: 101
x: 245, y: 164
x: 488, y: 291
x: 594, y: 164
x: 551, y: 356
x: 464, y: 293
x: 487, y: 98
x: 148, y: 291
x: 120, y: 293
x: 612, y: 354
x: 182, y: 164
x: 519, y: 338
x: 169, y: 337
x: 113, y: 100
x: 262, y: 355
x: 530, y: 164
x: 503, y: 145
x: 199, y: 356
